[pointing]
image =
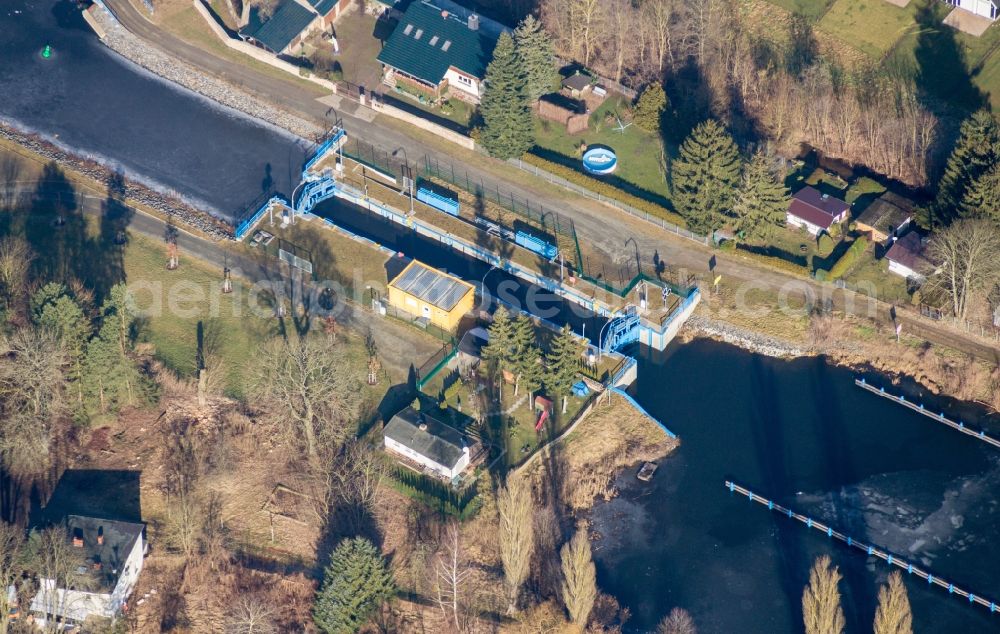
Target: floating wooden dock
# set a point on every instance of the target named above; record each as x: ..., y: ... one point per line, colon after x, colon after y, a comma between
x: 646, y: 473
x: 919, y: 408
x: 871, y: 551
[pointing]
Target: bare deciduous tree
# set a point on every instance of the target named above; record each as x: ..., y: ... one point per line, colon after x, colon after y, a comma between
x: 15, y: 262
x: 579, y: 587
x: 11, y: 543
x: 58, y: 565
x: 677, y: 622
x: 453, y: 574
x: 966, y: 254
x: 32, y: 386
x: 821, y: 609
x: 893, y: 615
x: 517, y: 535
x: 251, y: 615
x: 307, y: 381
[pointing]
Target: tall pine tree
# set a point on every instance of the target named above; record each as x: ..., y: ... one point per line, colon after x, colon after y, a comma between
x: 498, y: 351
x: 650, y: 107
x: 975, y: 152
x: 355, y: 584
x: 705, y: 176
x: 508, y: 129
x: 522, y: 340
x: 562, y: 363
x: 537, y: 57
x: 762, y: 202
x: 111, y: 378
x: 982, y: 198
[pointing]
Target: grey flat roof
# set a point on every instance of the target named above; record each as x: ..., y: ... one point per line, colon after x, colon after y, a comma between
x: 431, y: 285
x: 439, y: 442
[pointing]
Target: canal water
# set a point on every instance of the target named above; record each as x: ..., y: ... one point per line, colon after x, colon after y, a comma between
x: 93, y: 102
x: 799, y: 432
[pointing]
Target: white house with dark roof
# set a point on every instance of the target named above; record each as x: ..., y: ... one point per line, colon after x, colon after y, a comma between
x: 112, y: 552
x: 907, y: 257
x: 815, y: 211
x: 430, y: 443
x: 435, y: 49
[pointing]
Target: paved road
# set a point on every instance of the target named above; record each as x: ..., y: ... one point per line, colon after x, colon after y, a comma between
x: 399, y: 345
x: 604, y: 228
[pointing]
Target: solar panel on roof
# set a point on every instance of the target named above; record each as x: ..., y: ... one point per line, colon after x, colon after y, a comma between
x: 446, y: 45
x: 432, y: 286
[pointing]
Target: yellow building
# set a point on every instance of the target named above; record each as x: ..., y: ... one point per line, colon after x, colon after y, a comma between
x: 433, y: 295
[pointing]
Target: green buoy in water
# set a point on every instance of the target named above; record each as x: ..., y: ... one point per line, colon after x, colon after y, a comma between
x: 47, y: 52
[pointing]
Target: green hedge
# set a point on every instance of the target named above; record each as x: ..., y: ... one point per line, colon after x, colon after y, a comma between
x: 850, y: 257
x: 604, y: 189
x: 776, y: 262
x: 435, y: 494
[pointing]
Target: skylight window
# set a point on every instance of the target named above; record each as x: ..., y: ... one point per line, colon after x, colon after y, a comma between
x: 434, y: 40
x: 446, y: 45
x: 418, y: 34
x: 406, y: 31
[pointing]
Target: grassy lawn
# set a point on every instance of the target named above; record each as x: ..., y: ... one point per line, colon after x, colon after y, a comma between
x: 640, y: 153
x: 869, y: 272
x: 871, y: 26
x: 453, y: 109
x: 518, y: 417
x: 863, y: 191
x: 948, y: 64
x: 813, y: 10
x: 229, y: 324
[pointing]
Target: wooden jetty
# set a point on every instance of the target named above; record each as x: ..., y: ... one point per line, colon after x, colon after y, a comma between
x: 646, y: 472
x: 919, y: 408
x: 872, y: 551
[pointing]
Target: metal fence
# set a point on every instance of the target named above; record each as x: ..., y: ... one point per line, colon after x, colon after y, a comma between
x: 533, y: 213
x: 583, y: 191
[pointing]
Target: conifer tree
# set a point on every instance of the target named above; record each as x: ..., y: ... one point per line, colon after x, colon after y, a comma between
x: 821, y: 609
x: 355, y: 584
x: 532, y: 372
x: 975, y: 152
x: 55, y: 310
x: 522, y: 340
x: 650, y: 107
x: 893, y: 615
x: 111, y: 378
x: 982, y: 198
x: 498, y: 350
x: 705, y: 176
x: 537, y: 58
x: 762, y: 202
x: 562, y: 363
x: 508, y: 128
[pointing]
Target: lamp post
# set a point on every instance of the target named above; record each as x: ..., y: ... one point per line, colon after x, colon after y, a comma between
x: 482, y: 282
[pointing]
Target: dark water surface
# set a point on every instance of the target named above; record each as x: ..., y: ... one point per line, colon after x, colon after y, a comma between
x: 801, y: 433
x: 93, y: 102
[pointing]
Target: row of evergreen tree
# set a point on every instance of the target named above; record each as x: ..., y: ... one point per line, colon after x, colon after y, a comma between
x: 513, y: 348
x: 712, y: 186
x: 970, y: 184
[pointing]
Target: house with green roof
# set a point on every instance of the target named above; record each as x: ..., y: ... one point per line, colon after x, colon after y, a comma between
x: 289, y: 23
x: 434, y: 51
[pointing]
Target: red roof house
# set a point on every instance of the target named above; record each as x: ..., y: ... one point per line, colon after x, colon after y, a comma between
x: 816, y: 211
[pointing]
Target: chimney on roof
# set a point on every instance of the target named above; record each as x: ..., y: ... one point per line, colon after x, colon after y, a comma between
x: 444, y: 14
x: 473, y: 22
x: 100, y: 535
